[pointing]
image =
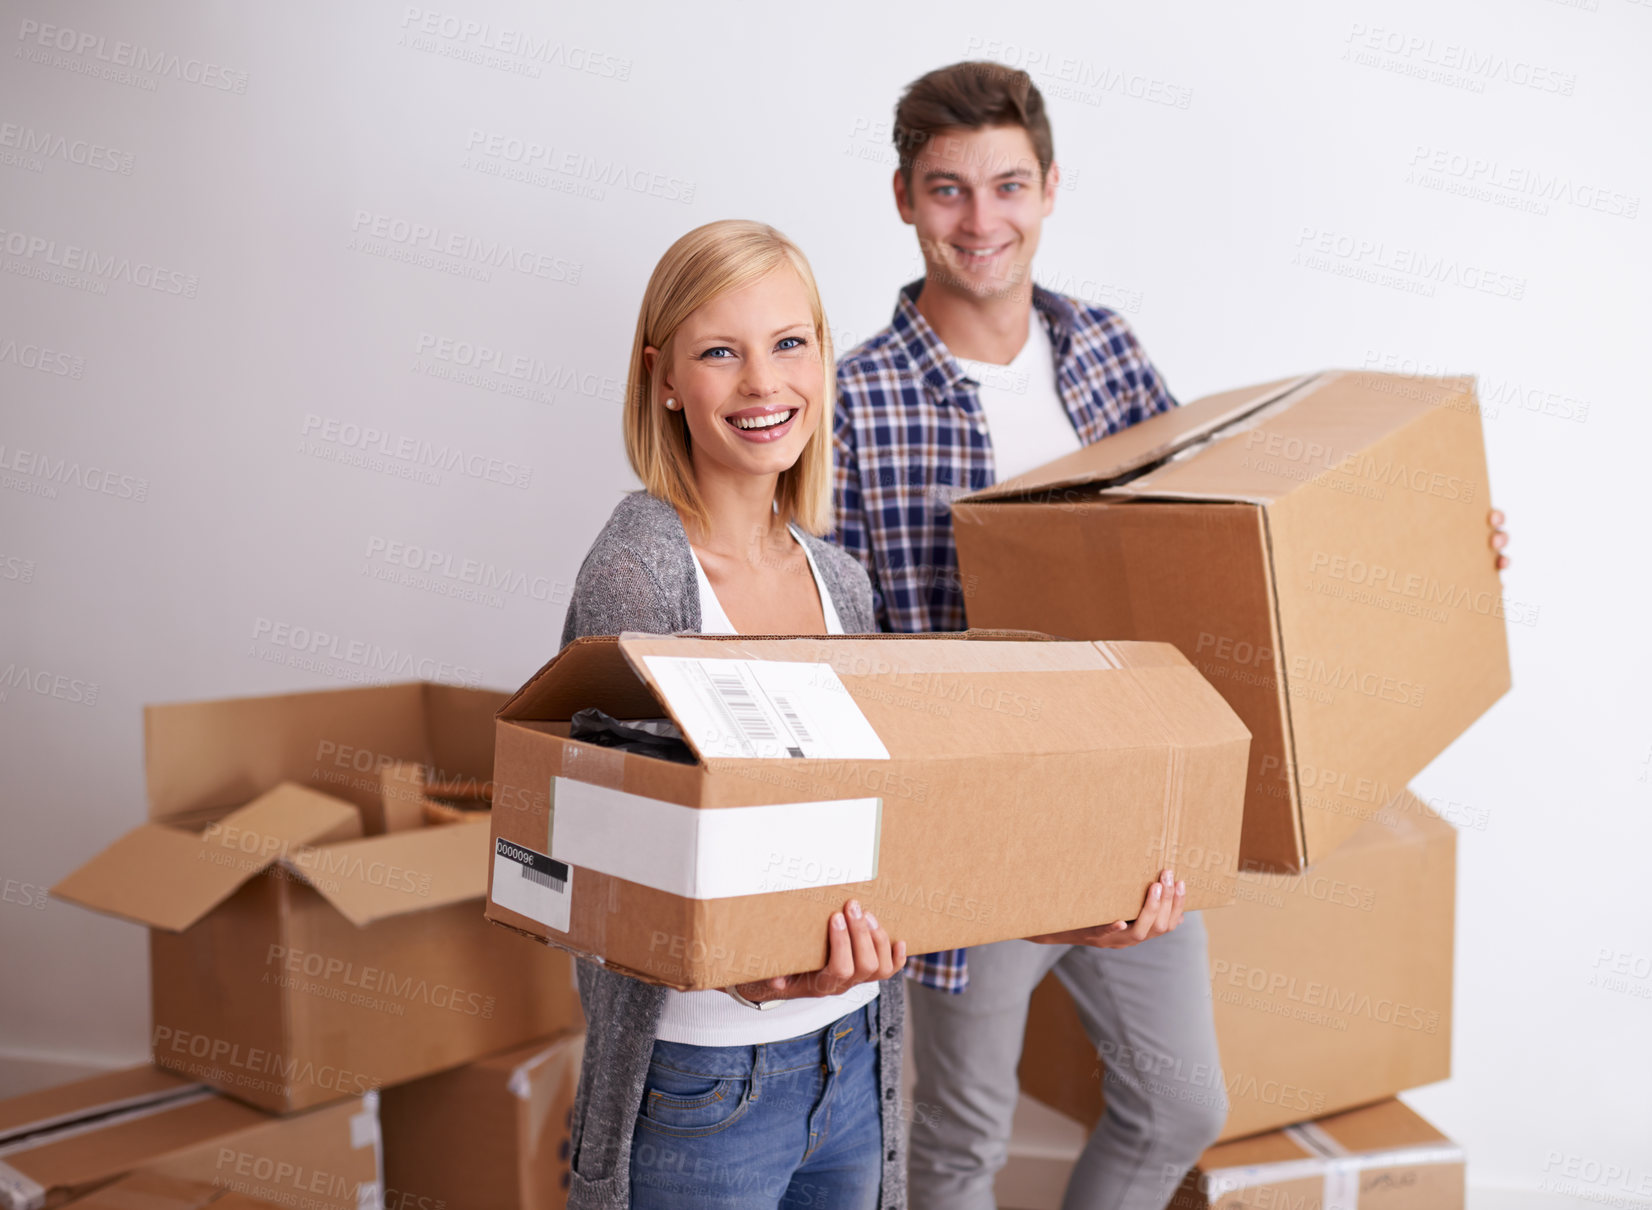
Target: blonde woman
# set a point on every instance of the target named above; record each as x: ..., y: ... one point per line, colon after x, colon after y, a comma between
x: 779, y: 1093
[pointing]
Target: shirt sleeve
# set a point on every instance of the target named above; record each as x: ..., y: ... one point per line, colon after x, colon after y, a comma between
x: 849, y: 508
x: 1152, y: 396
x: 946, y: 971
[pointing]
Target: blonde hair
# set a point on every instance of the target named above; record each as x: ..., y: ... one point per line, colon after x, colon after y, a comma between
x: 708, y: 262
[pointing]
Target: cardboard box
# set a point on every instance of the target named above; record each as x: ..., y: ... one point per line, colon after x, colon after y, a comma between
x: 491, y: 1135
x: 964, y: 789
x: 1379, y: 1157
x: 1332, y: 987
x: 71, y: 1140
x: 294, y: 961
x: 1316, y: 546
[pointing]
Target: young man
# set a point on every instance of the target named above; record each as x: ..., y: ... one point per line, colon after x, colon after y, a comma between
x: 980, y: 376
x: 983, y: 375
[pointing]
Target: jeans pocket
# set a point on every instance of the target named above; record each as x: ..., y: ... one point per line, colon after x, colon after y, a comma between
x: 686, y: 1105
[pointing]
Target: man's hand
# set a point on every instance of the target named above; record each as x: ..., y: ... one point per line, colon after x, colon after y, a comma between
x: 1499, y: 537
x: 857, y: 951
x: 1161, y: 912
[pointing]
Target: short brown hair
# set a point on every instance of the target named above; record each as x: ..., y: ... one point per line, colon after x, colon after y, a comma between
x: 971, y: 95
x: 708, y: 262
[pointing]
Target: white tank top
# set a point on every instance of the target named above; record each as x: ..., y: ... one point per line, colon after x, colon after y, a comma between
x: 712, y: 1018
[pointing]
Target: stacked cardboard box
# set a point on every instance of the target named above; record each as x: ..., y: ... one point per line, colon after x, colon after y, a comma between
x: 1379, y: 1157
x: 312, y: 875
x: 1317, y: 547
x: 62, y: 1143
x: 1331, y: 988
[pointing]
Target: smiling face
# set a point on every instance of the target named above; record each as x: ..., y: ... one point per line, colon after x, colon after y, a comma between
x: 979, y: 206
x: 746, y: 369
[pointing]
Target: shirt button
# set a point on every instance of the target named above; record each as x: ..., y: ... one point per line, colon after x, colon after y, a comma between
x: 890, y: 1032
x: 891, y: 1155
x: 889, y: 1094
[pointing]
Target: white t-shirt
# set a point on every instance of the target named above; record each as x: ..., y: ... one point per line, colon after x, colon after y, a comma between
x: 1026, y: 420
x: 712, y: 1018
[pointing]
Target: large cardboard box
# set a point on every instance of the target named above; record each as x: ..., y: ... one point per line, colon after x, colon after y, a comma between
x: 293, y: 960
x: 1379, y: 1157
x: 491, y: 1135
x: 964, y: 789
x: 1316, y: 546
x: 1332, y: 987
x: 66, y: 1142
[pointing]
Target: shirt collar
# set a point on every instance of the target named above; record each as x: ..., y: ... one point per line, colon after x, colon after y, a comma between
x: 935, y: 362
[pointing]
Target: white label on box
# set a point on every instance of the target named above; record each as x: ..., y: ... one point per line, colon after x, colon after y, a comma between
x: 534, y: 884
x: 765, y: 708
x: 717, y: 852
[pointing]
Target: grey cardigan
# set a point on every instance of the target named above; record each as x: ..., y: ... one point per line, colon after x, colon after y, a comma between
x: 639, y: 576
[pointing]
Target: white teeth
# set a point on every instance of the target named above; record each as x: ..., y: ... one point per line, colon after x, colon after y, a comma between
x: 763, y: 422
x: 978, y: 253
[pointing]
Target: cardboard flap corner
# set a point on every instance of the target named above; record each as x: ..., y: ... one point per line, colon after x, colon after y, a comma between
x: 1141, y: 445
x: 169, y: 879
x: 377, y: 877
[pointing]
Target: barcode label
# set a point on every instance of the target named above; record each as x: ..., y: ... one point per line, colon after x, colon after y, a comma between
x: 765, y: 709
x: 532, y: 883
x: 793, y: 718
x: 543, y: 879
x: 740, y: 708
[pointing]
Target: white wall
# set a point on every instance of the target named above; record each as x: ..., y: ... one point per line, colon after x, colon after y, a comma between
x: 1206, y: 148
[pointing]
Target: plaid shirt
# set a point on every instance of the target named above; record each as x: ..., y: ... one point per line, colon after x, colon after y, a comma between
x: 909, y: 436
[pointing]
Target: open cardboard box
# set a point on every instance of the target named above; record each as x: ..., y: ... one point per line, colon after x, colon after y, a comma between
x: 63, y: 1143
x: 1316, y: 546
x: 964, y: 788
x: 294, y: 960
x: 1333, y: 988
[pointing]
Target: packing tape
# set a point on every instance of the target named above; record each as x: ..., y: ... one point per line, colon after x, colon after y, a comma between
x: 367, y: 1195
x: 18, y: 1191
x: 364, y: 1126
x: 595, y: 764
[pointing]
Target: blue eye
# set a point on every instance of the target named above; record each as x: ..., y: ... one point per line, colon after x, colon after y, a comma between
x: 708, y: 354
x: 791, y: 342
x: 945, y: 190
x: 1014, y: 185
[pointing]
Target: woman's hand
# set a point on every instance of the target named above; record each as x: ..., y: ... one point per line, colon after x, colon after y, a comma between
x: 1161, y: 912
x: 857, y: 951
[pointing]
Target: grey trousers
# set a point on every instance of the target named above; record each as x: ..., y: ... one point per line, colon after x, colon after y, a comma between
x: 1148, y: 1011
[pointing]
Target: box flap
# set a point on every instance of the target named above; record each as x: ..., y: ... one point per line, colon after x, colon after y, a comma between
x: 79, y: 1157
x: 202, y: 755
x: 995, y: 691
x: 1117, y: 456
x: 108, y: 1092
x: 167, y: 878
x: 1319, y: 434
x: 380, y: 876
x: 153, y: 1191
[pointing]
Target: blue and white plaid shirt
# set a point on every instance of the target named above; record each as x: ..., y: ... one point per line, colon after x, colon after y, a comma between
x: 910, y: 435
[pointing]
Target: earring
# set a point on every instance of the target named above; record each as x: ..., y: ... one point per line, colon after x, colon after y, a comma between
x: 671, y: 404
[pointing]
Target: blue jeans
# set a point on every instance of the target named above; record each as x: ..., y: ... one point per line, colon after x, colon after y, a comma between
x: 794, y: 1124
